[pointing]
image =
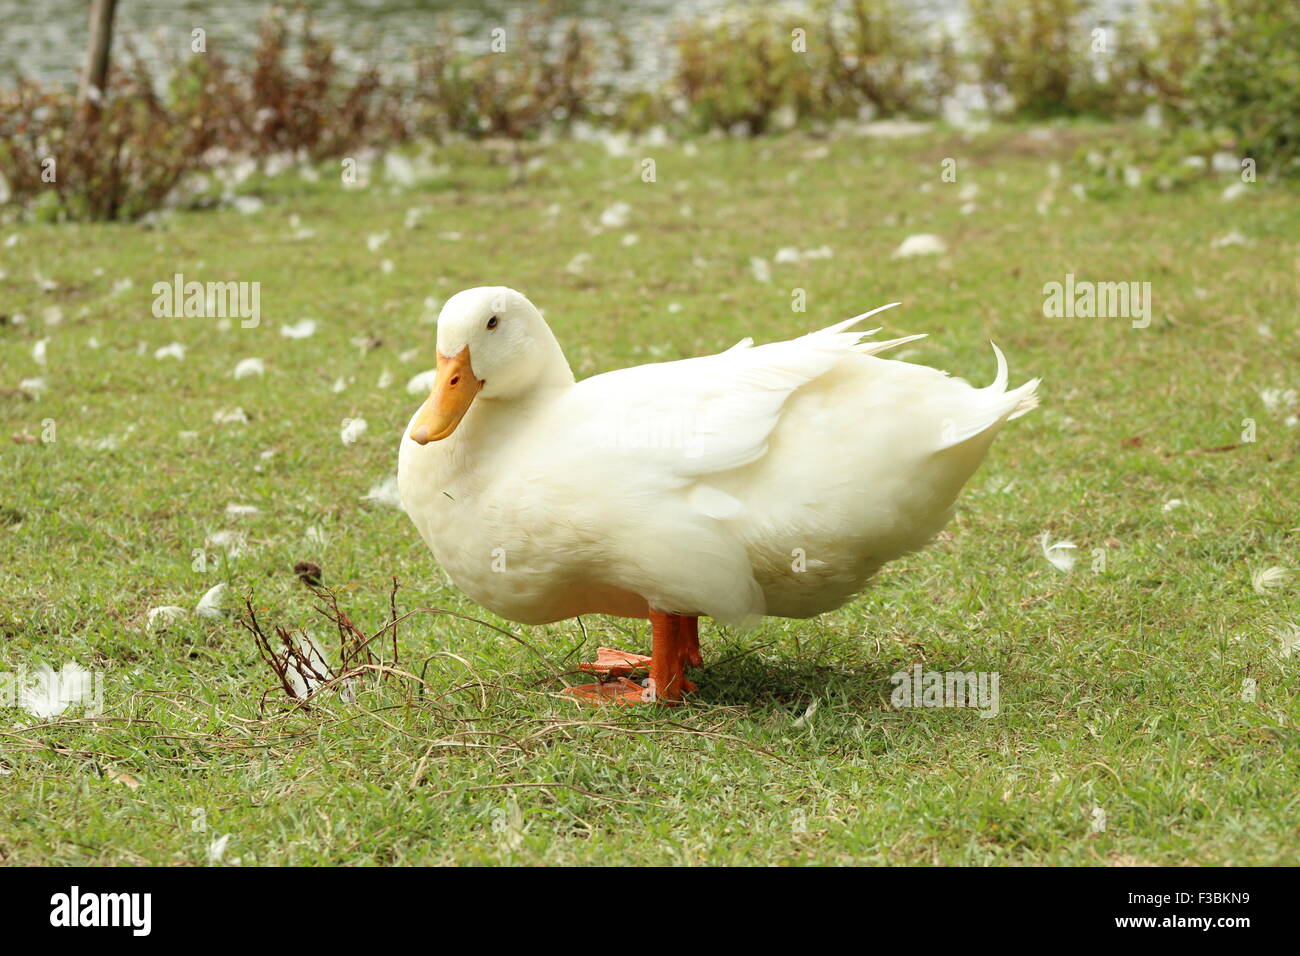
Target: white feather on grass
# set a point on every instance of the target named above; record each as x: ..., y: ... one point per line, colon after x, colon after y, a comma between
x: 615, y: 216
x: 922, y: 244
x: 217, y: 849
x: 249, y: 367
x: 1234, y: 238
x: 1268, y: 578
x: 301, y: 329
x: 1276, y: 399
x: 422, y: 384
x: 300, y: 676
x: 1288, y: 639
x: 385, y: 493
x: 399, y: 170
x: 246, y: 205
x: 240, y: 511
x: 1059, y: 555
x: 160, y: 617
x: 352, y: 430
x: 232, y: 543
x: 790, y: 254
x: 175, y: 350
x: 807, y: 714
x: 230, y: 416
x: 210, y: 605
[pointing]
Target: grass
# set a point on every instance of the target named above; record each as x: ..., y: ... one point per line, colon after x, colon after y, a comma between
x: 1121, y: 686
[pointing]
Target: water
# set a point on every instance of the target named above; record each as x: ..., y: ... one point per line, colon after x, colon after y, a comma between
x: 46, y: 40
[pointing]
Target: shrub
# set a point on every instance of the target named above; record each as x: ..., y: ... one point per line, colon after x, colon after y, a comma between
x: 1033, y: 53
x: 119, y: 164
x: 741, y: 71
x: 1249, y: 82
x: 1167, y: 44
x: 307, y: 108
x: 128, y: 159
x: 539, y: 83
x: 881, y: 56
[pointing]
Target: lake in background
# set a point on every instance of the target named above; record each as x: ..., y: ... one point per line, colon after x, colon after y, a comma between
x: 46, y: 39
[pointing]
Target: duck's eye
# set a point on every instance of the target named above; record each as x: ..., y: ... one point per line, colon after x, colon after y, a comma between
x: 492, y: 322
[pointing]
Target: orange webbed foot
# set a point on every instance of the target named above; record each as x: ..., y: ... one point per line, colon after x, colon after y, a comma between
x: 615, y: 663
x: 617, y: 691
x: 676, y: 645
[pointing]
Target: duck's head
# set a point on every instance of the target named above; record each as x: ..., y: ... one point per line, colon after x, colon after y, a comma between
x: 492, y: 343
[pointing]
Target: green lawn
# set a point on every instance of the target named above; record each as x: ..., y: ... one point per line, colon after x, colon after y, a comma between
x: 1121, y: 681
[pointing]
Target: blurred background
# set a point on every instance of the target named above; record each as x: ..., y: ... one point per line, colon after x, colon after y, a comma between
x: 198, y: 83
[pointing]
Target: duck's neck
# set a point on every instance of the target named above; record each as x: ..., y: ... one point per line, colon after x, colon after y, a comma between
x: 554, y: 370
x: 494, y: 421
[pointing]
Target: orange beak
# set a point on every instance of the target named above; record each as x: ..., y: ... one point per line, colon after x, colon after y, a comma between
x: 454, y: 387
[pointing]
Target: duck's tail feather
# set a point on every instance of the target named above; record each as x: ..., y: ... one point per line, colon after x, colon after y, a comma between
x: 1026, y: 397
x: 994, y: 406
x: 874, y: 348
x: 1018, y: 400
x: 849, y: 323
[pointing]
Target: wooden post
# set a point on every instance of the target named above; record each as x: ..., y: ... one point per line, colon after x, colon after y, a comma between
x: 94, y: 73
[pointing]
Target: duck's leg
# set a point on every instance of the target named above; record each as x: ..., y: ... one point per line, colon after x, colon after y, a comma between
x: 691, y: 628
x: 676, y: 643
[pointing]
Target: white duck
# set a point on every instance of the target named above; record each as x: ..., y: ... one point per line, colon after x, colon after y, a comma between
x: 763, y: 480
